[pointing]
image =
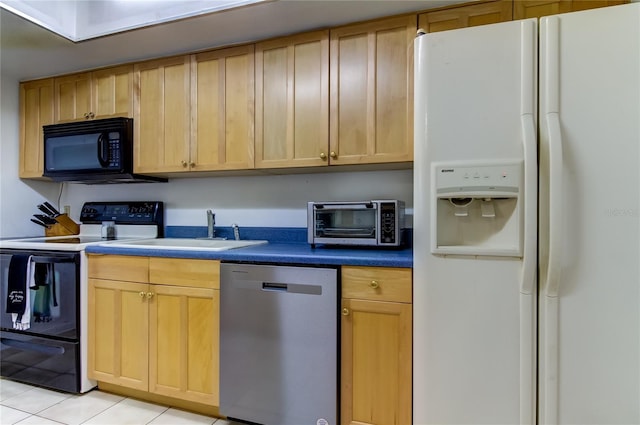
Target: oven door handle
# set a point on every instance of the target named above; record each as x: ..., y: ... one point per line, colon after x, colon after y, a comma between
x: 51, y: 259
x: 29, y: 346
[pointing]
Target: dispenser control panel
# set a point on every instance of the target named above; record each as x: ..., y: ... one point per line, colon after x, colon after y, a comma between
x: 465, y: 179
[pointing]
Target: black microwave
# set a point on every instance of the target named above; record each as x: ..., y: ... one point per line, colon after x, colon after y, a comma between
x: 91, y: 152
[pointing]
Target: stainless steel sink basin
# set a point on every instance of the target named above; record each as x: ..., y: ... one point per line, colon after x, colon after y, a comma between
x: 187, y: 244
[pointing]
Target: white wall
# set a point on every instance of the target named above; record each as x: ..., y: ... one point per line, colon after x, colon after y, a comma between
x: 265, y: 200
x: 18, y: 199
x: 271, y: 200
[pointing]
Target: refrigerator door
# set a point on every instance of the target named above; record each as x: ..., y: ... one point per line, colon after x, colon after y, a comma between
x: 474, y: 253
x: 589, y: 242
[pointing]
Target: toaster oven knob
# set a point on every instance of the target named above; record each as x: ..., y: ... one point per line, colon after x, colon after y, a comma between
x: 323, y: 155
x: 333, y: 155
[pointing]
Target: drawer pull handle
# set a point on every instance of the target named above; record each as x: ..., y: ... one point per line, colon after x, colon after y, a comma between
x: 374, y: 284
x: 345, y: 311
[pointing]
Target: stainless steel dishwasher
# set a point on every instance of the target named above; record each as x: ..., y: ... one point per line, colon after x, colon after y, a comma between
x: 279, y: 344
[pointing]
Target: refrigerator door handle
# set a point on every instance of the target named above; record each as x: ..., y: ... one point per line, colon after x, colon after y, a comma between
x: 529, y: 256
x: 552, y: 42
x: 530, y: 150
x: 555, y: 205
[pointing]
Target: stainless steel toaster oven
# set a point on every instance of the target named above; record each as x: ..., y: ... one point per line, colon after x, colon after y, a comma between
x: 367, y: 223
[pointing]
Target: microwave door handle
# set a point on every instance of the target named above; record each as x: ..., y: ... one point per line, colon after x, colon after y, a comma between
x: 103, y: 151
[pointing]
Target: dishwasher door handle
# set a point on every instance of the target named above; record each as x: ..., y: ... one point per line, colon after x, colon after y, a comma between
x: 269, y: 286
x: 293, y: 288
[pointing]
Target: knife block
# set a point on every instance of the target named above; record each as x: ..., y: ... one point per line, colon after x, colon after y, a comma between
x: 64, y: 227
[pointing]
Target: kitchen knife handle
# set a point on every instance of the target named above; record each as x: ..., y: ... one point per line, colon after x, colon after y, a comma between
x: 54, y: 211
x: 39, y: 223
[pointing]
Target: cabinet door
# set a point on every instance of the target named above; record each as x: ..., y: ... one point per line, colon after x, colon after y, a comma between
x: 466, y: 16
x: 118, y: 333
x: 376, y: 363
x: 536, y: 8
x: 184, y: 343
x: 371, y: 116
x: 162, y: 107
x: 292, y: 108
x: 36, y: 110
x: 223, y: 111
x: 112, y: 92
x: 73, y: 97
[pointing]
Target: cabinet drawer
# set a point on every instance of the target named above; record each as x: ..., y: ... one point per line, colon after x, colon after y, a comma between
x: 119, y: 267
x: 184, y: 272
x: 377, y: 283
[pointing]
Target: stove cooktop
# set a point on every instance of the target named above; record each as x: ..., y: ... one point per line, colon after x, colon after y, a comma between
x: 133, y: 220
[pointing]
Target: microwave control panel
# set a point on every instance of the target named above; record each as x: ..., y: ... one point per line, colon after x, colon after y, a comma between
x: 114, y: 150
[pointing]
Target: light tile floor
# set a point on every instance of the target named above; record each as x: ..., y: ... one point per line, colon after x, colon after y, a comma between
x: 28, y: 405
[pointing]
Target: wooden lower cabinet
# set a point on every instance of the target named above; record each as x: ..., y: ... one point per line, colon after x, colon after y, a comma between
x: 158, y: 338
x: 376, y: 349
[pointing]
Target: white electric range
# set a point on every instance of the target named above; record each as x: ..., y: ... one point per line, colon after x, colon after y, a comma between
x: 51, y: 351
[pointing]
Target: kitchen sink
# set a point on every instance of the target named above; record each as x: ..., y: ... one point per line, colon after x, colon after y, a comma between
x: 187, y: 244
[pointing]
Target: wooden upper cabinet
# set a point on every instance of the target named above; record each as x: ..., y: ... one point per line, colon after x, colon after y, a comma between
x: 292, y: 107
x: 112, y: 92
x: 36, y: 110
x: 104, y: 93
x: 523, y: 9
x: 162, y: 107
x: 466, y: 16
x: 222, y: 93
x: 73, y: 97
x: 371, y: 94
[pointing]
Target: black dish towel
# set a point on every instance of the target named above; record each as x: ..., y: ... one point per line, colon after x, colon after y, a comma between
x: 17, y: 285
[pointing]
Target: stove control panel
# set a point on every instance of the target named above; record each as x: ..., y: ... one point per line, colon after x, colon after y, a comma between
x: 128, y: 212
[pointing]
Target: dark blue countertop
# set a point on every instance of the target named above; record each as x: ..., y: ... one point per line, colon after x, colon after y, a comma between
x: 282, y: 250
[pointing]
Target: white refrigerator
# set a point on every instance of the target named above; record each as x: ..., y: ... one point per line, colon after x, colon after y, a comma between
x: 527, y: 221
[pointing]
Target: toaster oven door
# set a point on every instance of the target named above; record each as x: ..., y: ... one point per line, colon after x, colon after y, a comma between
x: 345, y: 224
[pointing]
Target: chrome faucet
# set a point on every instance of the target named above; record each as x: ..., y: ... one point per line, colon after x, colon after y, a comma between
x: 211, y: 222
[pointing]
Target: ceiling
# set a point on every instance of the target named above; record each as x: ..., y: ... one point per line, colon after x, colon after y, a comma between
x: 28, y: 51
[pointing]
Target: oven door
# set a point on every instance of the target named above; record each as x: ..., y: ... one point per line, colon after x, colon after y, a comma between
x: 53, y: 292
x: 40, y: 361
x: 345, y: 223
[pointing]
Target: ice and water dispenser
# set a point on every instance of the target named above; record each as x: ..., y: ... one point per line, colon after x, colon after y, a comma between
x: 477, y: 208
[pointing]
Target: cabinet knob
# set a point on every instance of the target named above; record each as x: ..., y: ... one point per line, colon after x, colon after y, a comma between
x: 374, y: 284
x: 192, y: 164
x: 184, y: 163
x: 92, y: 115
x: 141, y: 294
x: 345, y: 311
x: 86, y: 115
x: 150, y: 295
x: 333, y: 155
x: 323, y: 155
